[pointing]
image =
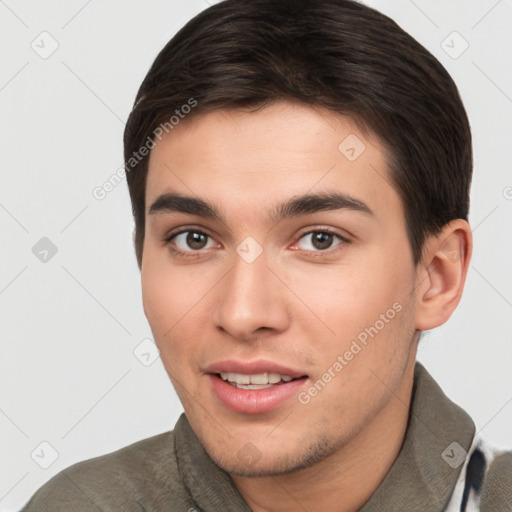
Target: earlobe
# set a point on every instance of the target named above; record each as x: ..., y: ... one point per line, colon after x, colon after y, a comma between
x: 442, y: 274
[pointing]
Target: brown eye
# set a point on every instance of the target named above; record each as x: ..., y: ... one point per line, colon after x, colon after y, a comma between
x: 196, y: 240
x: 190, y: 240
x: 320, y: 240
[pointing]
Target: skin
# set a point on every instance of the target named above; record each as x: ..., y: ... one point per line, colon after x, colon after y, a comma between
x: 298, y: 304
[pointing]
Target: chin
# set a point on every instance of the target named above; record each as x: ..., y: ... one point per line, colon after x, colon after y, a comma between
x: 250, y: 462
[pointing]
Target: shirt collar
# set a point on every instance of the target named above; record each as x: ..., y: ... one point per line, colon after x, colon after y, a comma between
x: 425, y: 473
x: 422, y: 477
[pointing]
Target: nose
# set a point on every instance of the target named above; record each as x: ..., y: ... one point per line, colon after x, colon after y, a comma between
x: 251, y: 299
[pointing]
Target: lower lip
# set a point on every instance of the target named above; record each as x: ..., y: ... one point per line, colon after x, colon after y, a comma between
x: 254, y: 401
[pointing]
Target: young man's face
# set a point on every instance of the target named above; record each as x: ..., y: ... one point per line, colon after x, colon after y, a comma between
x: 257, y: 292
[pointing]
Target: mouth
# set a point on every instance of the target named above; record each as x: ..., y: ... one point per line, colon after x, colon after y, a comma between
x: 254, y: 387
x: 257, y: 380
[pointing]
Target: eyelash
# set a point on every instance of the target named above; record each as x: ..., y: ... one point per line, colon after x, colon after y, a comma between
x: 194, y: 254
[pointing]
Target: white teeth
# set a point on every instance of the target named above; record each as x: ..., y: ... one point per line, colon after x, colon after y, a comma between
x: 239, y: 378
x: 251, y: 386
x: 259, y: 380
x: 273, y: 378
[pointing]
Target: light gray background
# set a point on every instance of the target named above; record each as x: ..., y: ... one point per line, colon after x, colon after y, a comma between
x: 69, y: 376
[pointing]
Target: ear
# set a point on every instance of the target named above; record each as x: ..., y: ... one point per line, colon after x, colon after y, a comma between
x: 441, y: 274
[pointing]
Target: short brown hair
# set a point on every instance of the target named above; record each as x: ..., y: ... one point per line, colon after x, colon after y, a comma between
x: 338, y: 54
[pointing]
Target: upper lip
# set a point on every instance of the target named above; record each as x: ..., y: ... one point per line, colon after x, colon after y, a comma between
x: 253, y: 367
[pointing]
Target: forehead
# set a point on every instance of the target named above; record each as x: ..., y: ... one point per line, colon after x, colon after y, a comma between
x: 246, y: 161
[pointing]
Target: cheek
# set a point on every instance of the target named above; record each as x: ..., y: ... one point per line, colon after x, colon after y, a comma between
x: 365, y: 318
x: 165, y: 292
x: 158, y: 300
x: 357, y: 376
x: 174, y: 309
x: 162, y: 299
x: 346, y: 299
x: 160, y: 306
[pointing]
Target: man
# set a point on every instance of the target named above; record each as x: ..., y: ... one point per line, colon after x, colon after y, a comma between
x: 299, y: 173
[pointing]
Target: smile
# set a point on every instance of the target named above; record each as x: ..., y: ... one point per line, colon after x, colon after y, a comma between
x: 255, y: 381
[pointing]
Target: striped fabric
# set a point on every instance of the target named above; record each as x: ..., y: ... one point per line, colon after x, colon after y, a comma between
x: 467, y: 494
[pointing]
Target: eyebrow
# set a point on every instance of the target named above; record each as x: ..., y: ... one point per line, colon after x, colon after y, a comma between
x: 306, y: 204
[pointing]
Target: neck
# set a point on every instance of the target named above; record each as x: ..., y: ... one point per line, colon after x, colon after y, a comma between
x: 344, y: 481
